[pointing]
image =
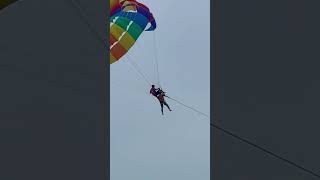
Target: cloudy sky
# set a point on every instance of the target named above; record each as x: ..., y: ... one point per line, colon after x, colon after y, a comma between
x: 144, y: 144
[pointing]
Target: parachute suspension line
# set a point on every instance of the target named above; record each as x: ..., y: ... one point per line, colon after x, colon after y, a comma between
x: 156, y: 58
x: 137, y: 69
x: 133, y: 16
x: 140, y: 72
x: 132, y: 63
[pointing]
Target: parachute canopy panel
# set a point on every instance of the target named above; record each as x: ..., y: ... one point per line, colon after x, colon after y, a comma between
x: 5, y: 3
x: 128, y: 19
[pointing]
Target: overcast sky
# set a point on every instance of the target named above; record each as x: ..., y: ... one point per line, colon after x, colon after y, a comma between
x: 144, y: 144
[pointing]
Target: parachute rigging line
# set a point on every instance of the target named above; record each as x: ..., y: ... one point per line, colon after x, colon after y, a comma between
x: 156, y: 55
x: 156, y: 58
x: 266, y: 151
x: 132, y: 63
x: 135, y: 66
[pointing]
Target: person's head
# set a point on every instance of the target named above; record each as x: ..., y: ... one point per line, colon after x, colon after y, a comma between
x: 152, y: 86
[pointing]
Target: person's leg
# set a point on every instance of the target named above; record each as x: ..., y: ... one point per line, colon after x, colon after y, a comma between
x: 165, y: 103
x: 161, y: 108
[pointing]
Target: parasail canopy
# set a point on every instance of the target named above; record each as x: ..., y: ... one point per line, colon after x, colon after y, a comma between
x: 128, y: 19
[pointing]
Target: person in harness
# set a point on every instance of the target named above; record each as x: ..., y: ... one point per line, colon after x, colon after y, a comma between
x: 159, y: 94
x: 162, y: 100
x: 154, y: 91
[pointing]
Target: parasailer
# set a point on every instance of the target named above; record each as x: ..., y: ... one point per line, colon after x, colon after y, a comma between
x: 159, y: 94
x: 154, y: 91
x: 163, y: 101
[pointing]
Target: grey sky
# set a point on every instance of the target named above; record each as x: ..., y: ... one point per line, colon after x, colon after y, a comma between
x: 144, y: 144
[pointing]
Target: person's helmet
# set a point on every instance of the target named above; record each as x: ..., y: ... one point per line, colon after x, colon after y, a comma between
x: 152, y: 85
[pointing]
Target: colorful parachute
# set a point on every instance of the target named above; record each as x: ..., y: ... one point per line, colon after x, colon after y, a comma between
x: 5, y: 3
x: 128, y: 19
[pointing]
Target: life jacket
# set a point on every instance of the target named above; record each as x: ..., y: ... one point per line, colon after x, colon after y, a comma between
x: 161, y: 97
